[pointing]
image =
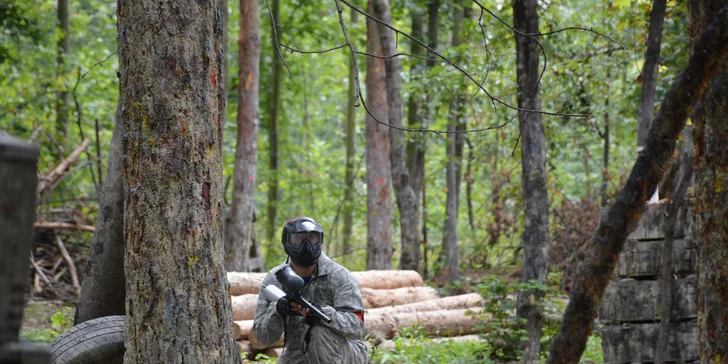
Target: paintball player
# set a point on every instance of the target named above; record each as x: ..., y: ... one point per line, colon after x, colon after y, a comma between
x: 328, y: 285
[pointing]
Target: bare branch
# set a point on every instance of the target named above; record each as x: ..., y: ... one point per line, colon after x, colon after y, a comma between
x: 456, y: 66
x: 294, y: 50
x: 275, y: 36
x: 354, y: 61
x: 97, y: 64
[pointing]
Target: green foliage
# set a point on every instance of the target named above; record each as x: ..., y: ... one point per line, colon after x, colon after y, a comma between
x: 60, y: 322
x: 413, y: 346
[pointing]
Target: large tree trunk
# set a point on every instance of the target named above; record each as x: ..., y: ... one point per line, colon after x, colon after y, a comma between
x: 406, y: 196
x: 379, y: 170
x: 450, y: 254
x: 350, y: 153
x: 64, y: 45
x: 103, y: 290
x: 274, y: 105
x: 246, y: 151
x: 594, y: 272
x: 533, y: 176
x: 649, y: 71
x: 711, y: 162
x: 172, y: 111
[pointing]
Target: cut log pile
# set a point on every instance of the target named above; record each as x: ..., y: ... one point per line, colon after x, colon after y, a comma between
x: 393, y: 300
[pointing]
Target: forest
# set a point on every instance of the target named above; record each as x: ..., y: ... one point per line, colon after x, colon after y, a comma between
x: 520, y: 172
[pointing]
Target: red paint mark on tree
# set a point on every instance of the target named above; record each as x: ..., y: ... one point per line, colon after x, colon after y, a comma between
x: 641, y: 183
x: 380, y: 181
x: 615, y: 257
x: 213, y: 78
x: 251, y: 179
x: 712, y: 333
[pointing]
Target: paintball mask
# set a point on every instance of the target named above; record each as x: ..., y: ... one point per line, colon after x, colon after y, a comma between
x: 302, y: 240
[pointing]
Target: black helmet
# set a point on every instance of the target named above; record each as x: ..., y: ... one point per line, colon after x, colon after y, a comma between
x: 302, y: 240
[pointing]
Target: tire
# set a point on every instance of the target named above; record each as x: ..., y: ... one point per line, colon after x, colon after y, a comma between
x: 97, y: 341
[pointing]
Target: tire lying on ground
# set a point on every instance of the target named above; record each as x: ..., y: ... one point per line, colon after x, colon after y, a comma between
x: 98, y: 341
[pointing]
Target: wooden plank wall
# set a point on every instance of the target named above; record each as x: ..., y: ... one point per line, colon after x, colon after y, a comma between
x: 629, y: 311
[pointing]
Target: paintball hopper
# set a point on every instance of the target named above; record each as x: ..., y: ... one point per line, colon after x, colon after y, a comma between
x: 289, y: 280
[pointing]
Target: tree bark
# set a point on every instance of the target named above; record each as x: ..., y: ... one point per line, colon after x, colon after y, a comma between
x: 594, y: 272
x: 102, y: 289
x: 350, y: 154
x: 246, y: 150
x: 275, y: 104
x: 533, y: 176
x: 450, y: 254
x: 172, y: 112
x: 605, y: 158
x: 64, y: 45
x: 711, y: 167
x: 406, y: 196
x: 649, y: 71
x: 379, y: 170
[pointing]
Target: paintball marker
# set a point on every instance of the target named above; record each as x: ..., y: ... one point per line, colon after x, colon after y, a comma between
x: 292, y: 286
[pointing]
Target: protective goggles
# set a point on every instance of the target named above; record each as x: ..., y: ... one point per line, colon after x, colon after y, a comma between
x: 296, y: 241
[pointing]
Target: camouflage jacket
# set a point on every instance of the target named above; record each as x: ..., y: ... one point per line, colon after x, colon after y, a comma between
x: 333, y: 288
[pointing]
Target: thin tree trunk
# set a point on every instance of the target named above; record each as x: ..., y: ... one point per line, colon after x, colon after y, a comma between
x: 667, y: 283
x: 419, y: 142
x: 594, y: 272
x: 406, y: 196
x: 379, y: 171
x: 649, y: 71
x: 172, y: 112
x: 711, y: 195
x: 605, y: 160
x: 350, y: 154
x: 64, y: 45
x: 102, y: 289
x: 246, y: 150
x: 413, y: 118
x: 450, y: 254
x: 273, y: 131
x: 533, y: 177
x: 469, y: 185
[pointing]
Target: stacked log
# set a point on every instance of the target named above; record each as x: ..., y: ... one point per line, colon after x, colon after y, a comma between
x: 393, y: 300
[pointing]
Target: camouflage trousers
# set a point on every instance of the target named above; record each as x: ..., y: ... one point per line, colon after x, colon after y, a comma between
x: 325, y: 346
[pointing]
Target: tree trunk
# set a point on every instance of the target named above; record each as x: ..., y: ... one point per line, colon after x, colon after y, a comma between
x: 533, y: 177
x: 350, y: 154
x: 594, y: 272
x: 711, y: 162
x: 649, y: 71
x: 172, y: 112
x: 450, y: 254
x: 406, y: 196
x: 103, y: 290
x: 273, y: 131
x: 379, y: 170
x: 605, y: 159
x: 64, y: 45
x: 246, y: 151
x: 414, y: 140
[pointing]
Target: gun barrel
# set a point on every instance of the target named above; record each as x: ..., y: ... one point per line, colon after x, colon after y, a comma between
x: 314, y: 310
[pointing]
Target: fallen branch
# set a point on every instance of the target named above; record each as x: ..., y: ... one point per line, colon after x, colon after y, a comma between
x: 62, y: 226
x: 39, y: 271
x: 69, y: 262
x: 49, y: 180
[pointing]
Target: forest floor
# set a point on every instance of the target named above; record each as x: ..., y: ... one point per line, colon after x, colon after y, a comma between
x: 44, y: 320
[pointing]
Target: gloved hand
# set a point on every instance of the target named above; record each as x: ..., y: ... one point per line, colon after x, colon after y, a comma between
x: 283, y: 307
x: 311, y: 319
